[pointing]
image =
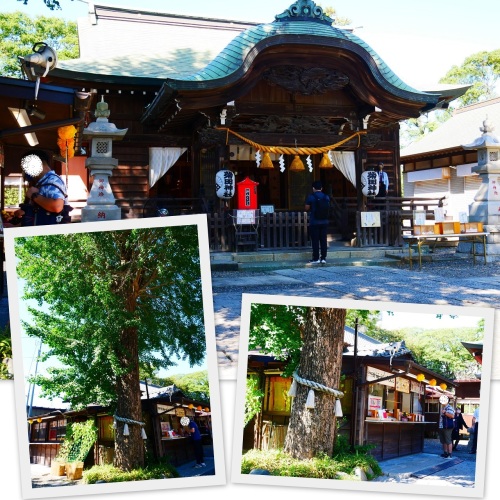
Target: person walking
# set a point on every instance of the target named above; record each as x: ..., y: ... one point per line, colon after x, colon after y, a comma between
x: 318, y: 206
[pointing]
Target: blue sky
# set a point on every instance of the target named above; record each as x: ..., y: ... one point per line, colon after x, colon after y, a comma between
x: 419, y: 40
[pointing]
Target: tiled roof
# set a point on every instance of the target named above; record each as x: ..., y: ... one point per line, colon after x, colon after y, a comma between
x: 160, y: 46
x: 460, y: 130
x: 234, y: 55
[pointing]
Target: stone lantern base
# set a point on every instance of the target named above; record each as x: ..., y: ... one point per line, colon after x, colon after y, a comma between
x: 99, y: 213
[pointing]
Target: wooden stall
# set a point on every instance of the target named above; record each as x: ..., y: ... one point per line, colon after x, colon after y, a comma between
x: 384, y: 402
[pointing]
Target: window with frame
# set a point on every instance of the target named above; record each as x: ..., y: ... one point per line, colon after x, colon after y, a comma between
x: 106, y: 430
x: 57, y: 430
x: 277, y: 395
x: 39, y: 431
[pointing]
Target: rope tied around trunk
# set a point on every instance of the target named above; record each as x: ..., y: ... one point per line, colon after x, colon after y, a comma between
x: 131, y: 422
x: 318, y: 387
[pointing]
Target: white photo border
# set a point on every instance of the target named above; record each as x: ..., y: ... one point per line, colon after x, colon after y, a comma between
x: 384, y: 487
x: 217, y: 479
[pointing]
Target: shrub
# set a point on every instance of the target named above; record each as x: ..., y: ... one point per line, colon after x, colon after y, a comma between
x: 279, y: 463
x: 112, y: 474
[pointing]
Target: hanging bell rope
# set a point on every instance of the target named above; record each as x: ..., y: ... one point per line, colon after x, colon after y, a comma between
x: 314, y: 386
x: 128, y: 421
x: 292, y: 151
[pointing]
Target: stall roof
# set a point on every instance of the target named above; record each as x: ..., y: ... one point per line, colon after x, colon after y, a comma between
x: 462, y: 128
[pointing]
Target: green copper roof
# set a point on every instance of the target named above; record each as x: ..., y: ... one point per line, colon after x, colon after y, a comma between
x: 234, y: 57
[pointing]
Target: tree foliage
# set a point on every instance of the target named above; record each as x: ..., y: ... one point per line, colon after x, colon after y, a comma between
x: 93, y: 287
x: 51, y: 4
x: 5, y: 352
x: 442, y: 351
x: 278, y: 330
x: 480, y: 70
x: 19, y: 32
x: 194, y: 385
x: 253, y: 398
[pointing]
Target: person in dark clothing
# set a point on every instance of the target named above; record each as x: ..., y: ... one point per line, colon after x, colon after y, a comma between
x: 318, y: 227
x: 475, y: 425
x: 383, y: 184
x: 197, y: 444
x: 459, y: 424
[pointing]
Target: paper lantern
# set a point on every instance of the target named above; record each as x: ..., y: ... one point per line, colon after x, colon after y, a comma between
x: 207, y: 410
x: 432, y: 382
x: 190, y: 406
x: 420, y: 377
x: 225, y: 184
x: 369, y: 183
x: 443, y: 386
x: 297, y: 164
x: 198, y: 408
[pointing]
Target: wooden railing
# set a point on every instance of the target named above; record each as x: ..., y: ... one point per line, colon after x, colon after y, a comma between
x: 283, y: 230
x: 288, y: 230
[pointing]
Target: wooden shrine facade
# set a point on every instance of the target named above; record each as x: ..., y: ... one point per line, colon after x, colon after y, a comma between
x: 297, y: 86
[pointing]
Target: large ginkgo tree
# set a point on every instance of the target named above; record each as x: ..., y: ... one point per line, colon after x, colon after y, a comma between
x: 106, y: 302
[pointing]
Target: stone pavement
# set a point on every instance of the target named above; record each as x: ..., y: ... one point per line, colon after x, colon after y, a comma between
x: 374, y: 283
x: 429, y: 468
x: 41, y: 476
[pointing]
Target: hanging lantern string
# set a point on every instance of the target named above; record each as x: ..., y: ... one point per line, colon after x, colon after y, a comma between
x: 292, y: 151
x: 316, y: 386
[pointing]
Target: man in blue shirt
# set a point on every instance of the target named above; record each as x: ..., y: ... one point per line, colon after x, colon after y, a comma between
x: 197, y: 444
x: 383, y: 181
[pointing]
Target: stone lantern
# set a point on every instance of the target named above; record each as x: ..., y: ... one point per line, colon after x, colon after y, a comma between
x: 101, y: 202
x: 486, y: 205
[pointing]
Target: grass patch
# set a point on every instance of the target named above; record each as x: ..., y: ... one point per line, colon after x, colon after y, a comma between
x: 111, y: 474
x: 341, y: 466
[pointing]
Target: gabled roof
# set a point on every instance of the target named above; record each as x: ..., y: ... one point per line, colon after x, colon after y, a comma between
x: 156, y: 45
x: 461, y: 129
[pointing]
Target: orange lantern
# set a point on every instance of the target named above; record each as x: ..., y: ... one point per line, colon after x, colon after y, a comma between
x: 420, y: 377
x: 432, y: 382
x: 198, y: 408
x: 443, y: 386
x: 66, y: 141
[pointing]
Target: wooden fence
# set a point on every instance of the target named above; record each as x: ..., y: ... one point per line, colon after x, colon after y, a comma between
x: 288, y: 229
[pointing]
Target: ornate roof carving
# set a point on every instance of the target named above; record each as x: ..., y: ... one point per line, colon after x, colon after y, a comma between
x: 304, y: 9
x: 306, y: 81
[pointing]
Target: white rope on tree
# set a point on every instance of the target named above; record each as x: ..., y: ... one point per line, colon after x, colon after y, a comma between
x: 318, y: 387
x: 129, y: 421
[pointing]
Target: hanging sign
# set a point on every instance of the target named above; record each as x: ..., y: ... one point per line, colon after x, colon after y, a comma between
x: 225, y: 184
x: 369, y: 183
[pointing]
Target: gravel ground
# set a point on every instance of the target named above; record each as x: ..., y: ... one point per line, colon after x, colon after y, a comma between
x: 457, y: 267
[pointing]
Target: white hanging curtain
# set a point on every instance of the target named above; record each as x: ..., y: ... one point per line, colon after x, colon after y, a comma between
x: 344, y: 161
x: 160, y: 161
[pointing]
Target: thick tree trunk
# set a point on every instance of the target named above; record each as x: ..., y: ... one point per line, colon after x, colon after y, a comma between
x: 129, y: 450
x: 312, y: 431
